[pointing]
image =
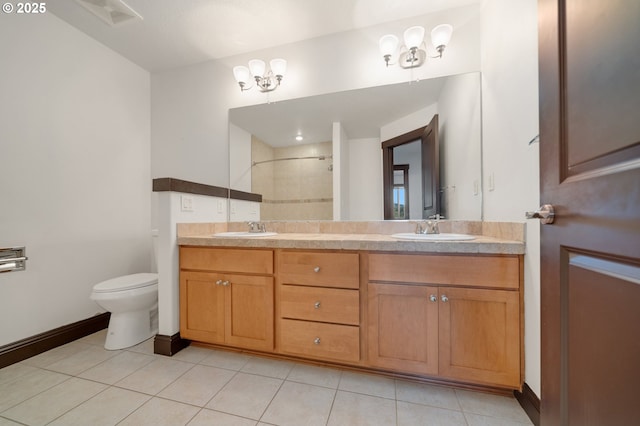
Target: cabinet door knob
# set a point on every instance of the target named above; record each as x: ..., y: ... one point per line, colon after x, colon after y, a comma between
x: 316, y: 341
x: 218, y: 282
x: 444, y: 298
x: 225, y: 283
x: 316, y: 269
x: 316, y: 305
x: 433, y: 298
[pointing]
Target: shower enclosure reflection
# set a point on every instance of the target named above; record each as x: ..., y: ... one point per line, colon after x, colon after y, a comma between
x: 296, y: 182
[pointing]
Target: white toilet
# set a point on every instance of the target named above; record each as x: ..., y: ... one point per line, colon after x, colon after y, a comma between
x: 133, y: 303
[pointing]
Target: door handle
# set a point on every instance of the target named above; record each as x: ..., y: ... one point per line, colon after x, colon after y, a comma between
x: 545, y: 213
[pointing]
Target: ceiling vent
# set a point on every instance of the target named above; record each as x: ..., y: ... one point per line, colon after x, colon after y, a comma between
x: 112, y: 12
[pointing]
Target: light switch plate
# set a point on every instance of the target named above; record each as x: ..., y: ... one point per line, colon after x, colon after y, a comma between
x: 186, y: 203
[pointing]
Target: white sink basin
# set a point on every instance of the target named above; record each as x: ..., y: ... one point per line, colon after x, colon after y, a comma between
x: 245, y: 234
x: 434, y: 237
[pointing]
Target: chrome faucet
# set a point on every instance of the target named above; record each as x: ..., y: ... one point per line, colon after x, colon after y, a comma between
x: 429, y: 226
x: 256, y: 227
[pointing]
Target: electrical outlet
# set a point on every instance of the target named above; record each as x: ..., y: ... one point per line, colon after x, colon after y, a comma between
x: 476, y: 187
x: 220, y: 206
x: 186, y: 203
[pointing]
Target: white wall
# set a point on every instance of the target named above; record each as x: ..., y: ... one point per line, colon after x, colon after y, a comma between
x: 340, y: 172
x: 240, y: 159
x: 189, y: 124
x: 74, y: 171
x: 459, y: 116
x: 510, y: 121
x: 365, y: 179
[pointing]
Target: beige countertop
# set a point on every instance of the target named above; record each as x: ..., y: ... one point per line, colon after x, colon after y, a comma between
x: 369, y: 242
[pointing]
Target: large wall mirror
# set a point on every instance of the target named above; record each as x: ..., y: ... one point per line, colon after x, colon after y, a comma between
x: 321, y: 157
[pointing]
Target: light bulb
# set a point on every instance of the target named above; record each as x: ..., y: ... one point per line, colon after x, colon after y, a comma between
x: 413, y: 37
x: 278, y: 66
x: 257, y: 67
x: 388, y: 44
x: 441, y: 35
x: 241, y: 74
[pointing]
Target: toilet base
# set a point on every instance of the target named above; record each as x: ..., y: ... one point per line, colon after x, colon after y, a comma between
x: 128, y: 329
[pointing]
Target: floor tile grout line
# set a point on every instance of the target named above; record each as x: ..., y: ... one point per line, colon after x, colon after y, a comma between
x: 41, y: 392
x: 333, y: 401
x: 271, y: 401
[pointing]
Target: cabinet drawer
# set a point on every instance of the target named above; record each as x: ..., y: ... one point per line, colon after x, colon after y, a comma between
x: 339, y: 342
x: 320, y: 269
x: 227, y: 260
x: 480, y: 271
x: 320, y: 304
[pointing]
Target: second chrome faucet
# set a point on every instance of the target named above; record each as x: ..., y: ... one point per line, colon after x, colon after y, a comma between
x: 429, y: 226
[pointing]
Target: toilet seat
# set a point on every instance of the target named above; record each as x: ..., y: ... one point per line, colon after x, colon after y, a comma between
x: 126, y: 282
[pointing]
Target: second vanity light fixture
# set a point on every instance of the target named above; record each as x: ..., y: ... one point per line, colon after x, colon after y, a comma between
x: 266, y: 80
x: 413, y: 53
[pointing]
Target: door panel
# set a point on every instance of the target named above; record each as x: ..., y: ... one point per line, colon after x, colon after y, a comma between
x: 479, y: 332
x: 602, y: 301
x: 589, y: 170
x: 403, y: 327
x: 250, y: 317
x: 202, y: 307
x: 593, y: 64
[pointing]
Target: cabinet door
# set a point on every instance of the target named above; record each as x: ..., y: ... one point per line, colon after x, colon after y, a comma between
x: 480, y: 336
x: 202, y: 307
x: 403, y: 328
x: 249, y: 322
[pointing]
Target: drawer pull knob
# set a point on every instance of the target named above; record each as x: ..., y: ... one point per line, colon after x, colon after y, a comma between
x: 316, y: 341
x: 218, y: 282
x: 444, y: 298
x: 316, y: 305
x: 316, y: 269
x: 225, y: 283
x: 433, y: 298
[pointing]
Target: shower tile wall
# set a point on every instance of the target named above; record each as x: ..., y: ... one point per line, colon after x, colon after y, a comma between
x: 295, y: 189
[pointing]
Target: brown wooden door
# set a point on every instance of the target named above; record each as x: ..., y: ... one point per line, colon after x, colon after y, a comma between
x: 403, y: 327
x: 479, y: 336
x: 590, y: 256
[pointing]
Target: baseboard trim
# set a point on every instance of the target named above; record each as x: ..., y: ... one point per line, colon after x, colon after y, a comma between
x: 530, y: 403
x: 169, y: 345
x: 34, y: 345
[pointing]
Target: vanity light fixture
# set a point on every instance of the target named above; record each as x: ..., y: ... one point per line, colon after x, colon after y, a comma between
x: 266, y: 80
x: 299, y: 137
x: 413, y: 52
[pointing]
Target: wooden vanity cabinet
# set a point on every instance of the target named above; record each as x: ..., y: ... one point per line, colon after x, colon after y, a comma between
x: 454, y: 317
x: 226, y: 297
x: 318, y: 305
x: 449, y: 317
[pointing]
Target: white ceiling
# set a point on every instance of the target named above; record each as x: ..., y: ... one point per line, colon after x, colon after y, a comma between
x: 176, y: 33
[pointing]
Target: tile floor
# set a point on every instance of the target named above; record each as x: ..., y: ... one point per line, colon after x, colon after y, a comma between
x: 83, y: 384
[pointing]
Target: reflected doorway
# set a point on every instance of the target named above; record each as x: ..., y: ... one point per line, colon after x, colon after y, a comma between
x: 419, y: 146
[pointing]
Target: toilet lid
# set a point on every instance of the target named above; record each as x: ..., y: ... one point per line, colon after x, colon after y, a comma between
x: 126, y: 282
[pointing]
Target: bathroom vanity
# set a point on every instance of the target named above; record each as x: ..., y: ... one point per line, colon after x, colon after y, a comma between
x: 438, y: 311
